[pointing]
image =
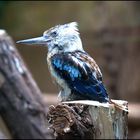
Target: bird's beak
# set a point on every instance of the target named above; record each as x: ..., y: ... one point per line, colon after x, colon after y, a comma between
x: 38, y: 41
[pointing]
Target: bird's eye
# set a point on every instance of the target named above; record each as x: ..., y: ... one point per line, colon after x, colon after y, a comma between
x: 54, y: 34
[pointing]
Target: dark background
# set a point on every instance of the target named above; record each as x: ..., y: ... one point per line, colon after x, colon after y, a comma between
x: 110, y: 32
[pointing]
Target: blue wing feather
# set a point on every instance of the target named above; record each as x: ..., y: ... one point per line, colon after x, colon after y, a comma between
x: 79, y: 77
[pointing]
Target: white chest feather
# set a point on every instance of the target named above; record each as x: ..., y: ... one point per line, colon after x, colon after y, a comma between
x: 57, y: 78
x: 61, y: 82
x: 64, y: 94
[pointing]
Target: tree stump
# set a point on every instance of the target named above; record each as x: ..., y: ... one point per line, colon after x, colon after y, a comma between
x: 21, y: 105
x: 88, y: 120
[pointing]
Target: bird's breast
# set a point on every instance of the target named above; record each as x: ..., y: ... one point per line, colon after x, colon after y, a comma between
x: 54, y: 74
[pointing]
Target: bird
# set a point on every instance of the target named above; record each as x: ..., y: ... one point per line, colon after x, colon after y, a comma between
x: 75, y: 72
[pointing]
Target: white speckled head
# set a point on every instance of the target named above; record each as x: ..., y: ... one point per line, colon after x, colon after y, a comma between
x: 64, y: 37
x: 63, y: 30
x: 60, y: 37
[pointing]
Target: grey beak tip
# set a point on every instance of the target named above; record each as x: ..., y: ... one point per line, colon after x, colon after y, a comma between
x: 18, y: 41
x: 23, y: 42
x: 31, y: 41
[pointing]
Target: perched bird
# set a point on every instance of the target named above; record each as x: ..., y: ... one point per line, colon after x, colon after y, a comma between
x: 73, y: 69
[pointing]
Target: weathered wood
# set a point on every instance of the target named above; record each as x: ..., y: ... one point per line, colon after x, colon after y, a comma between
x: 4, y: 132
x: 21, y: 104
x: 88, y: 120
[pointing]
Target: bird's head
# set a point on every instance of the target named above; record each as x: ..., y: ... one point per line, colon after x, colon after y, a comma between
x: 61, y: 38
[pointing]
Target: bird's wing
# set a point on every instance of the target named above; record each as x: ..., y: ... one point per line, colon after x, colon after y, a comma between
x: 82, y: 76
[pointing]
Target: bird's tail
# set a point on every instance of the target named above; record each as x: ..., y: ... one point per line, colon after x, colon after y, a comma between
x: 119, y: 105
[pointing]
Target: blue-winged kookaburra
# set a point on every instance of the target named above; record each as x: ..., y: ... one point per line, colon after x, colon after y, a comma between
x: 73, y: 69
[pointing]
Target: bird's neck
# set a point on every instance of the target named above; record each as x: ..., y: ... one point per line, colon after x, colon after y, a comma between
x: 74, y: 45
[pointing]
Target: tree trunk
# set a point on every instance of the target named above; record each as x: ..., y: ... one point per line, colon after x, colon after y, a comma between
x: 21, y: 104
x: 88, y: 120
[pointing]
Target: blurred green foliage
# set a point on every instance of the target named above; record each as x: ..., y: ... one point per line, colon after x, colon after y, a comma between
x: 3, y: 5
